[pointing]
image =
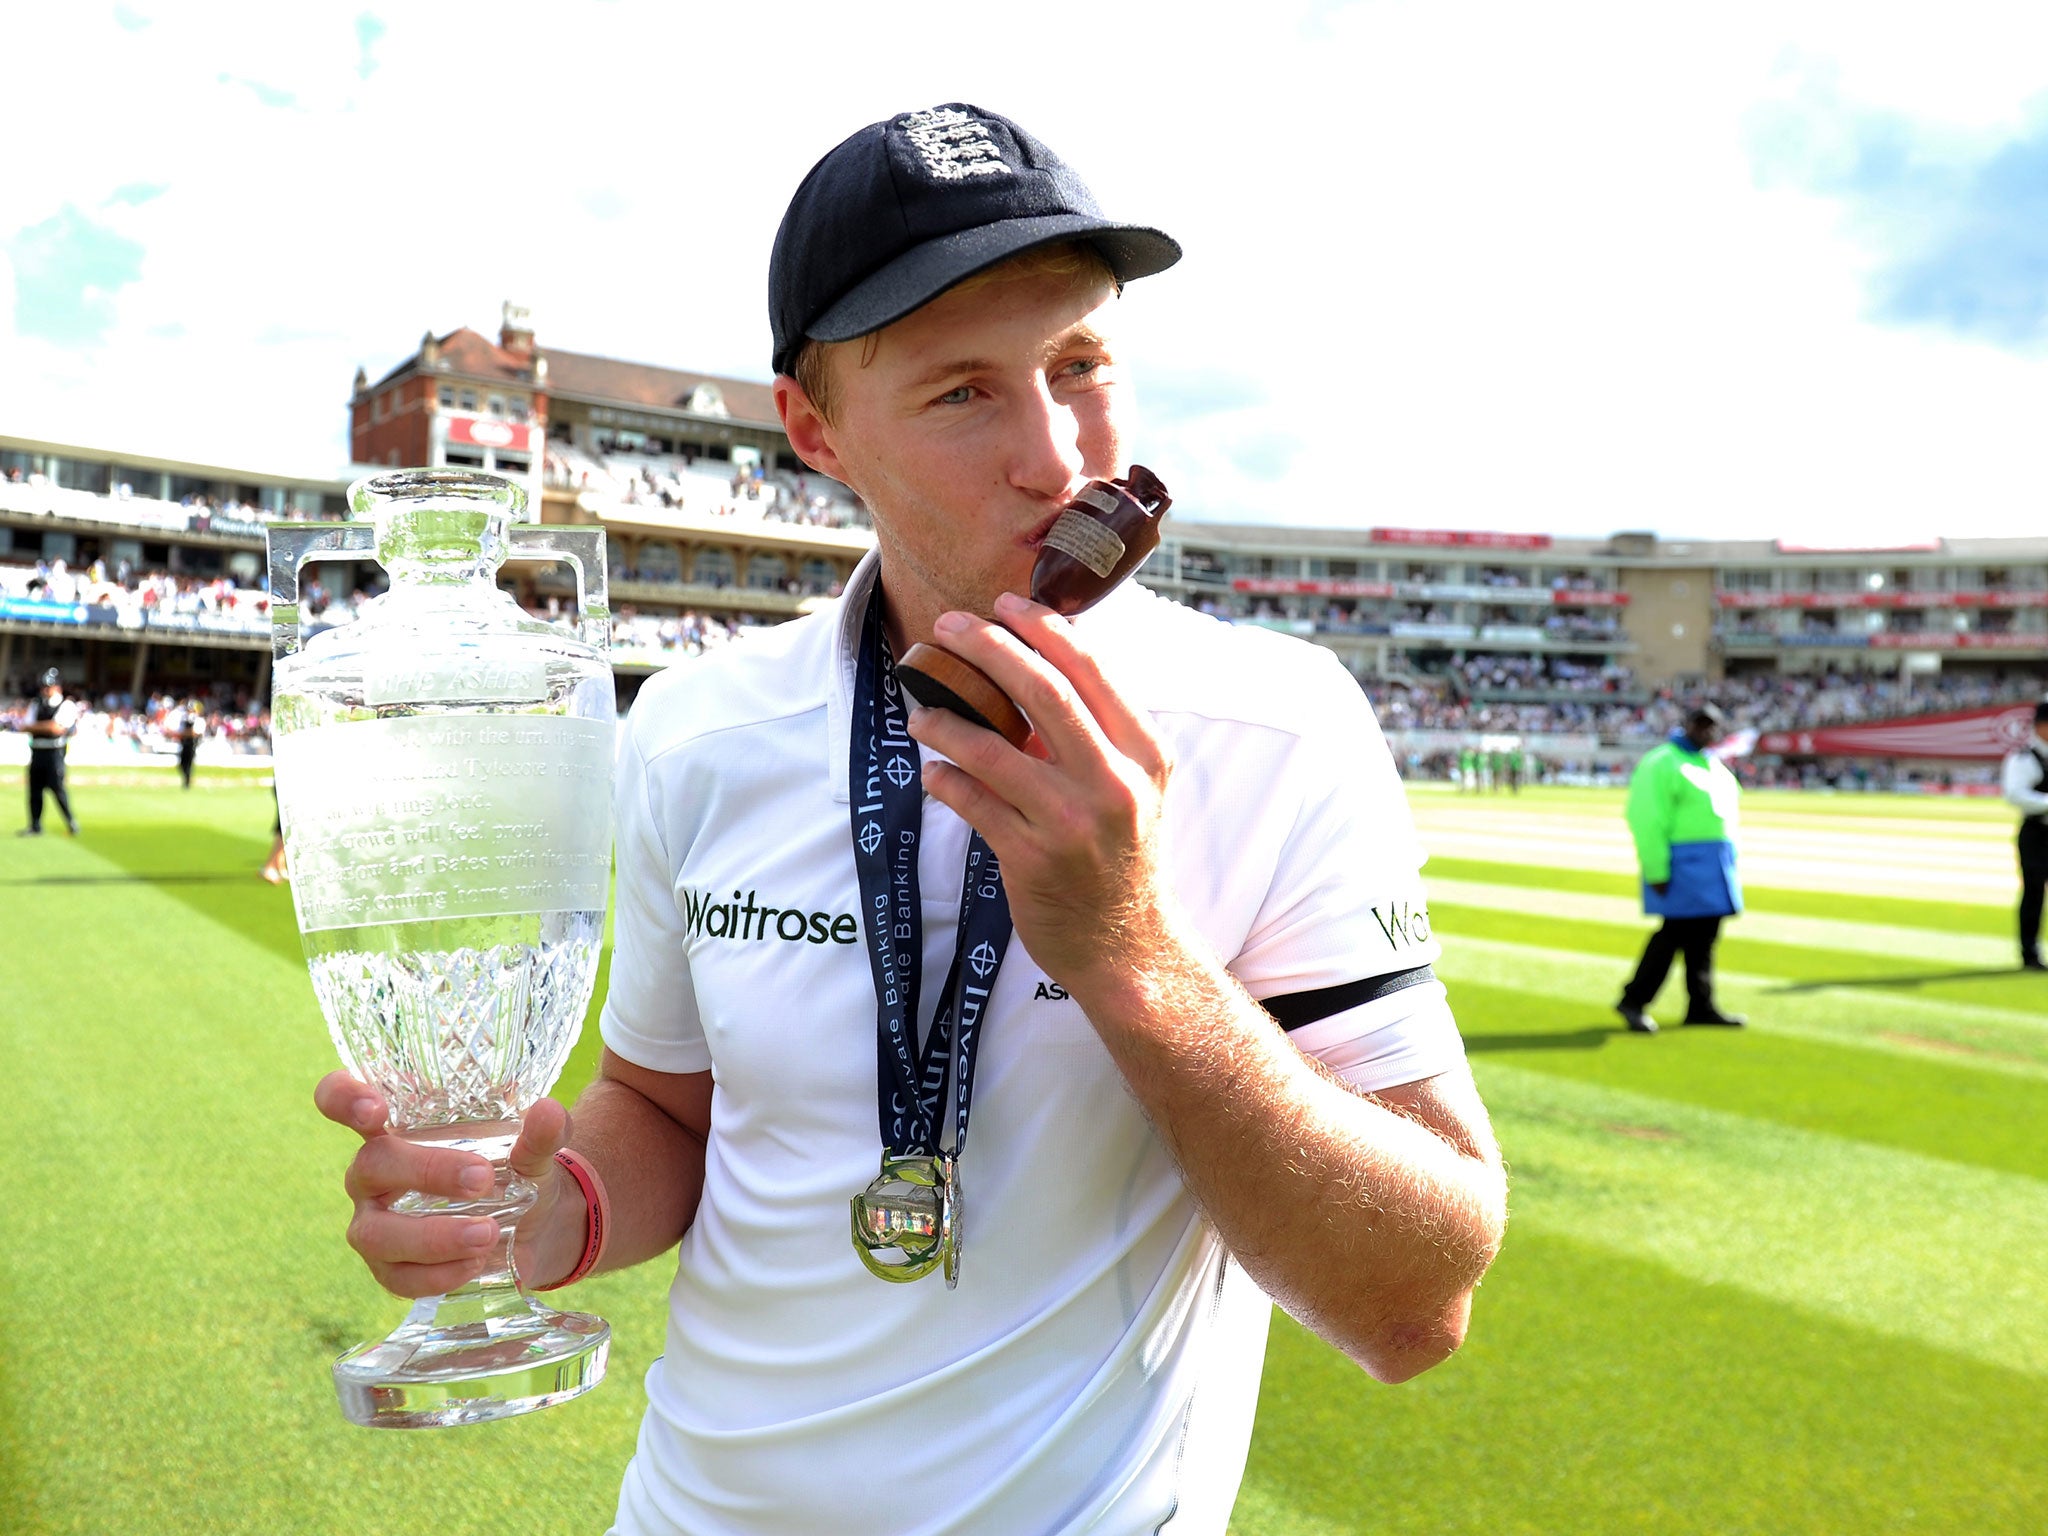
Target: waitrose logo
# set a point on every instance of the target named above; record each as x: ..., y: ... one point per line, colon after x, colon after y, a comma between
x: 704, y: 914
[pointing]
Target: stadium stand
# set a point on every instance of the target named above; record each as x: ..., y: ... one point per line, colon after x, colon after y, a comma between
x: 144, y: 578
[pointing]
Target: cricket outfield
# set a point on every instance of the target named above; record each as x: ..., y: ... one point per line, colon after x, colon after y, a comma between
x: 1785, y: 1279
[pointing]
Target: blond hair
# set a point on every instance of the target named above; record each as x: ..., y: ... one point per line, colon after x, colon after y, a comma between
x: 1072, y: 259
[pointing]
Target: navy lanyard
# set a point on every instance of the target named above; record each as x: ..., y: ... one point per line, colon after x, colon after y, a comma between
x: 887, y: 795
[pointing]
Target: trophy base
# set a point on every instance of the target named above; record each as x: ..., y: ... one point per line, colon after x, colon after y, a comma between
x: 940, y: 680
x: 435, y: 1371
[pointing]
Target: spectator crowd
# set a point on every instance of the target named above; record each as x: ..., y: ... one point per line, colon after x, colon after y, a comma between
x: 149, y: 725
x: 688, y: 633
x: 1584, y: 700
x: 132, y: 593
x: 707, y: 487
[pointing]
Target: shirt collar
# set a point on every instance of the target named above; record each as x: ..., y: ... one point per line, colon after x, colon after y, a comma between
x: 853, y: 607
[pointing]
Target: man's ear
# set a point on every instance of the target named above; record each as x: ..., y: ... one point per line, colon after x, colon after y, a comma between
x: 809, y: 433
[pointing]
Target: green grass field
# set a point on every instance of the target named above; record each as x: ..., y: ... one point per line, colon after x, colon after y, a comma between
x: 1788, y: 1279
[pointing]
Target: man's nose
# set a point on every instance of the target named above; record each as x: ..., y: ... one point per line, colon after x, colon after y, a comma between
x: 1048, y: 457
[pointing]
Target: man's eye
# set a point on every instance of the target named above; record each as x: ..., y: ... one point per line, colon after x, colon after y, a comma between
x: 1081, y: 367
x: 957, y: 396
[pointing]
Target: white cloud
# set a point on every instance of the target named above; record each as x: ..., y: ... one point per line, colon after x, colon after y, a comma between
x: 1495, y: 265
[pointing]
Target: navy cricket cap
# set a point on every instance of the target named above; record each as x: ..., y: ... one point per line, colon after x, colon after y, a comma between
x: 907, y: 207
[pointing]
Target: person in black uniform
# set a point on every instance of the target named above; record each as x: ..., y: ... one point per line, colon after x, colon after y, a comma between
x: 190, y: 723
x: 51, y: 720
x: 2024, y: 781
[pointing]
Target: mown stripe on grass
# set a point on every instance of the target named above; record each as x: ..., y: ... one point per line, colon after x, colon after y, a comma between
x: 1841, y: 934
x: 1914, y: 1247
x: 1991, y: 986
x: 212, y: 872
x: 1924, y: 1029
x: 189, y: 1211
x: 1933, y: 1108
x: 1598, y: 1392
x: 1935, y: 916
x: 1973, y: 865
x: 1992, y: 825
x: 1804, y: 806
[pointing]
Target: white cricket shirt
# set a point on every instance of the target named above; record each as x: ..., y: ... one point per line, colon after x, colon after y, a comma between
x: 1097, y: 1369
x: 2021, y: 779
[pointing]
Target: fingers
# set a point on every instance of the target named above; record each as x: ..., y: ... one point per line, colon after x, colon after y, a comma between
x: 346, y: 1101
x: 1096, y: 753
x: 389, y: 1239
x: 1036, y: 686
x: 411, y: 1253
x: 413, y: 1281
x: 418, y: 1254
x: 1052, y: 637
x: 543, y: 1133
x: 422, y: 1255
x: 1076, y: 711
x: 996, y: 819
x: 982, y: 753
x: 390, y: 1165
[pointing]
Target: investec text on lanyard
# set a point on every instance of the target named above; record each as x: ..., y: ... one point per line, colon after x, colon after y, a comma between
x: 906, y: 1223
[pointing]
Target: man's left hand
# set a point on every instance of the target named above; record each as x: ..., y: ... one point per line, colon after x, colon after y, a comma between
x: 1074, y: 819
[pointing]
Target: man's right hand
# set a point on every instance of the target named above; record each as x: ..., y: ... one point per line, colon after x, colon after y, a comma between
x: 429, y: 1255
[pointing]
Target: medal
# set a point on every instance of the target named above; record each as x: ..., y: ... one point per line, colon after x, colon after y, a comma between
x: 906, y: 1223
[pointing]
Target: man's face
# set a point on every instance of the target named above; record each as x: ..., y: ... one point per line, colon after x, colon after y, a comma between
x: 1705, y: 733
x: 2041, y: 731
x: 968, y: 427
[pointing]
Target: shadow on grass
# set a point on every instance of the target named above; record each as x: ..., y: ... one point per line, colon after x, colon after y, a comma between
x: 212, y: 872
x: 1589, y: 1039
x: 1907, y: 983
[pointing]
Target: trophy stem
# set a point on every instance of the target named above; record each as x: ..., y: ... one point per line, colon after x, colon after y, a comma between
x: 484, y: 1351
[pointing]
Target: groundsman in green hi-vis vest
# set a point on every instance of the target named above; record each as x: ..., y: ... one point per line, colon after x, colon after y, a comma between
x: 1681, y: 812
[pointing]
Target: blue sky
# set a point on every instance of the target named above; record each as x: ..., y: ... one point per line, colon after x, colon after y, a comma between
x: 1578, y: 267
x: 68, y: 271
x: 1958, y: 231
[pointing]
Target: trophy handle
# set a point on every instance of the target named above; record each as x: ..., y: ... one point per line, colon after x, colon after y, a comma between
x: 582, y: 550
x: 291, y: 546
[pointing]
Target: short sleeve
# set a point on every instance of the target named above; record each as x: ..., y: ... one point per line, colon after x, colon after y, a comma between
x: 1342, y: 946
x: 1400, y: 1038
x: 650, y: 1009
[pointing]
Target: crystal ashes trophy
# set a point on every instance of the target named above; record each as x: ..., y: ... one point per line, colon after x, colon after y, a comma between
x: 444, y: 782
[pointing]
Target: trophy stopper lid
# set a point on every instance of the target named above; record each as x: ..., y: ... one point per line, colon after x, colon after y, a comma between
x: 438, y: 525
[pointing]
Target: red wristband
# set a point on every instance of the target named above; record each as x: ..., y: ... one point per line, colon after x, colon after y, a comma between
x: 598, y: 1222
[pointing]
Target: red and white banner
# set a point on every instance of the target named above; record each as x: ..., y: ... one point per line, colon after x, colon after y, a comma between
x: 489, y: 432
x: 1339, y: 586
x: 1455, y: 538
x: 1927, y: 547
x: 1960, y: 640
x: 1311, y: 586
x: 1975, y: 734
x: 1907, y: 599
